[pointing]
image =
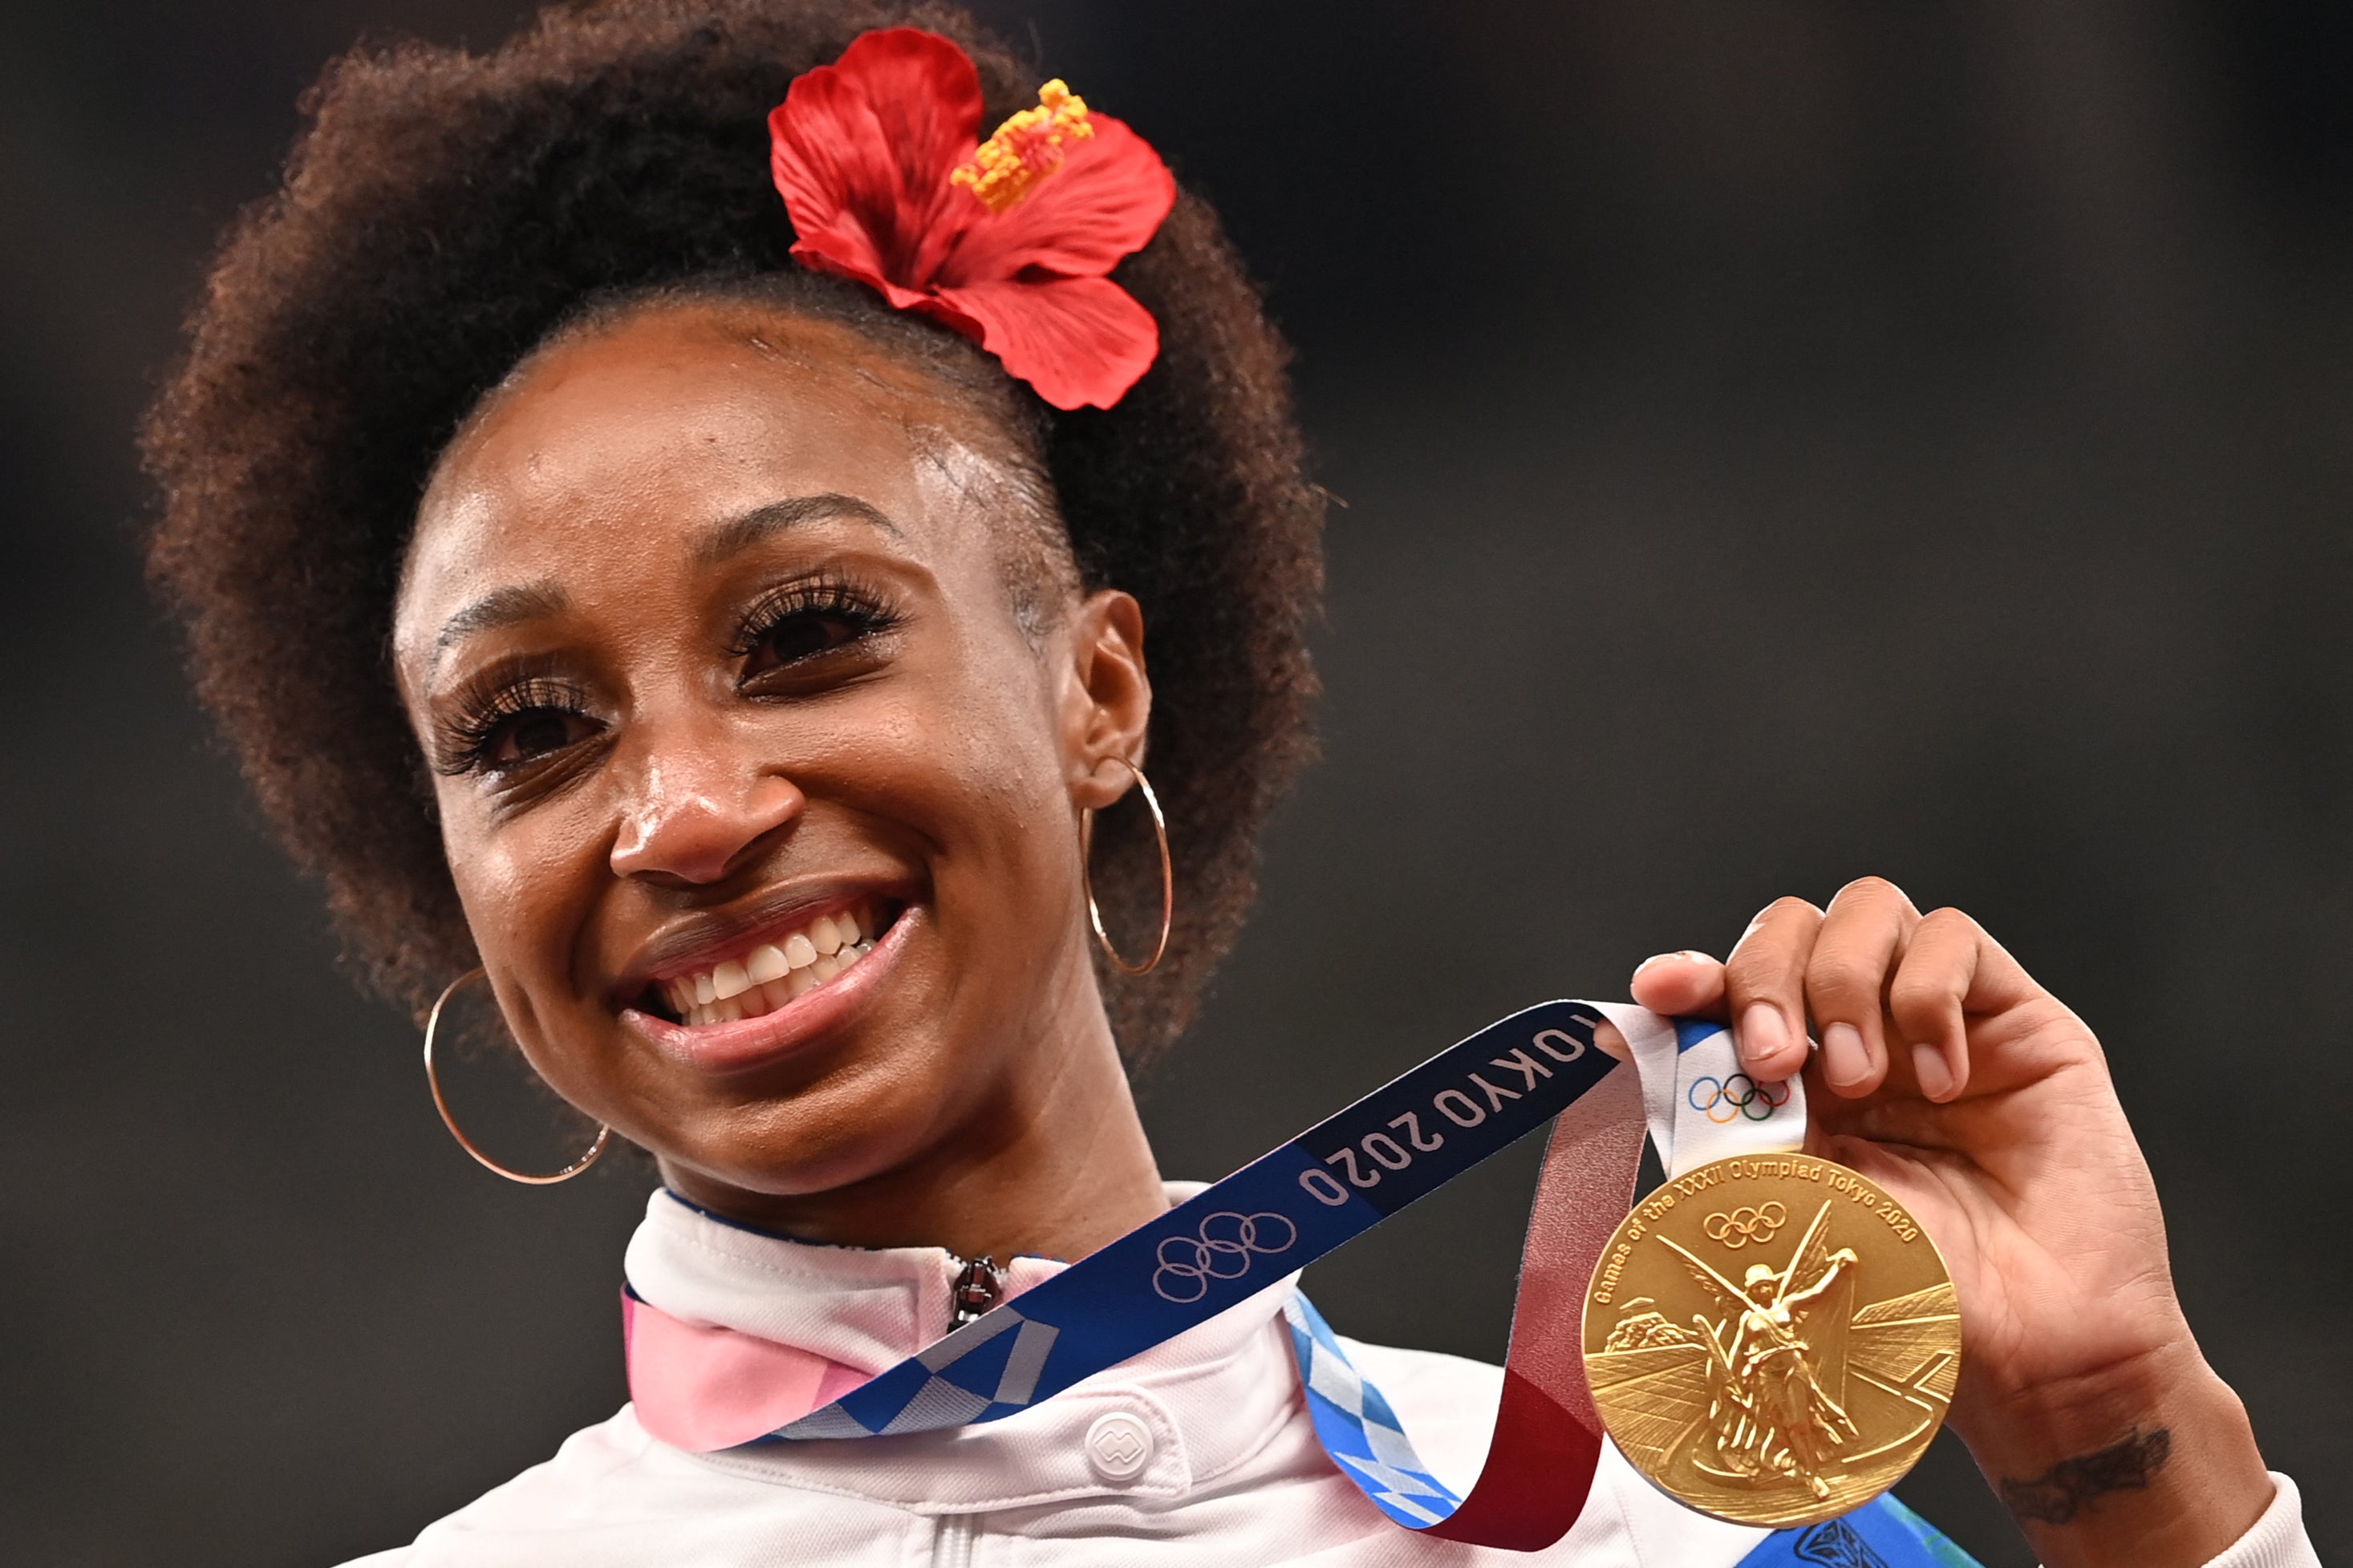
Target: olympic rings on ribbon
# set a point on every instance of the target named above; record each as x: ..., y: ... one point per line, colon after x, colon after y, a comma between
x: 1221, y: 1251
x: 1745, y: 1225
x: 1736, y: 1097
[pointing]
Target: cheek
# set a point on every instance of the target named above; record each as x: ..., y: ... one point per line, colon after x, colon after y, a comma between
x: 526, y: 885
x: 996, y: 737
x: 966, y: 757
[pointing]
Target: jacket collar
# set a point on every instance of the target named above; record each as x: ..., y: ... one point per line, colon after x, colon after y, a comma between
x: 832, y: 1316
x: 864, y: 1307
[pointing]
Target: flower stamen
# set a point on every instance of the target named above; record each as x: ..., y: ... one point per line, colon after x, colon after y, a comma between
x: 1026, y: 149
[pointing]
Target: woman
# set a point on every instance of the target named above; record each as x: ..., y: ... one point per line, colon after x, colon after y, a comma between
x: 697, y: 566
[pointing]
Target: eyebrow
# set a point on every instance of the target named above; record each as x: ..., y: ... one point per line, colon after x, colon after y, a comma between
x: 503, y: 607
x: 738, y: 535
x: 534, y: 600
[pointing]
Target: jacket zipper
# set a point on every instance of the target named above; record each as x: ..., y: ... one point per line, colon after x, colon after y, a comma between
x: 977, y: 1288
x: 952, y: 1540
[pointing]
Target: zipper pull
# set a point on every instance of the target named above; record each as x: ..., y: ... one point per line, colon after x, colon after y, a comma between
x: 975, y: 1290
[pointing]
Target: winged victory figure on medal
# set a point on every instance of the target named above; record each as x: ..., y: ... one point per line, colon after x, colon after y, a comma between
x: 1781, y: 1379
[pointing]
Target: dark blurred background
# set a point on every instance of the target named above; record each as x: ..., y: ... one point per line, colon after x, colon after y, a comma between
x: 1780, y: 442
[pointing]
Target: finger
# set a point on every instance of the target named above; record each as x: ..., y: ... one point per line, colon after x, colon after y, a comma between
x: 1680, y: 984
x: 1764, y: 982
x: 1927, y: 999
x: 1863, y: 935
x: 2000, y: 981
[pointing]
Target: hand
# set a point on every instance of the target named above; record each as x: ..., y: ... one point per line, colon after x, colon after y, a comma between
x: 1948, y: 1077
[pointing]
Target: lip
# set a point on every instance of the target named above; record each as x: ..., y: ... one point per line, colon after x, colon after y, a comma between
x: 749, y: 1044
x: 703, y: 940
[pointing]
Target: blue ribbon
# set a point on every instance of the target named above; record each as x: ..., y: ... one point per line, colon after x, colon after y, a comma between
x: 1278, y: 1213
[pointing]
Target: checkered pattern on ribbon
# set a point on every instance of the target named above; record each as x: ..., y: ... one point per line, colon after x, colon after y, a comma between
x: 986, y: 1370
x: 1357, y: 1427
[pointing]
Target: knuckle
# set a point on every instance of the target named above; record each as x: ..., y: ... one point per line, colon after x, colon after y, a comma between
x: 1757, y: 964
x: 1779, y: 922
x: 1842, y: 979
x: 1918, y: 998
x: 1789, y: 906
x: 1873, y: 890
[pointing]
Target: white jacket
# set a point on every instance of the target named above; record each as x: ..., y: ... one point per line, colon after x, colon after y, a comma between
x: 1200, y: 1451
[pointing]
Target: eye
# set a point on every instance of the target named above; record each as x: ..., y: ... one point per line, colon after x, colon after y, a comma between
x: 799, y: 636
x: 802, y: 622
x: 512, y: 726
x: 532, y: 733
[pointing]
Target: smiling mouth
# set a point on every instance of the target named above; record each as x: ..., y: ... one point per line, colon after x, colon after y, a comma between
x: 779, y: 968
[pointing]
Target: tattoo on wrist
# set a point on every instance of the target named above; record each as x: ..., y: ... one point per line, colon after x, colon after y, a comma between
x: 2072, y: 1486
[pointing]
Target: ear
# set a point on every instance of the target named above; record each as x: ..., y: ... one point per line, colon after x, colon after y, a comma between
x: 1106, y: 698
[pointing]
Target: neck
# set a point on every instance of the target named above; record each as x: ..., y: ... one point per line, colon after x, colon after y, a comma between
x: 1057, y: 1165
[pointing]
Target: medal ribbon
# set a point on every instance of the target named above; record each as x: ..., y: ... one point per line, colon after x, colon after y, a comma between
x: 707, y: 1388
x: 1699, y: 1103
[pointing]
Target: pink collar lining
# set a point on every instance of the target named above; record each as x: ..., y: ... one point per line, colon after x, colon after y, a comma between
x: 731, y: 1333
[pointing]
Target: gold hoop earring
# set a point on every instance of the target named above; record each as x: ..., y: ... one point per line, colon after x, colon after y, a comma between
x: 433, y: 1081
x: 1167, y: 876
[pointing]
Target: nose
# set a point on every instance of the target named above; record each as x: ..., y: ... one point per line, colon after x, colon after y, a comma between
x: 699, y: 811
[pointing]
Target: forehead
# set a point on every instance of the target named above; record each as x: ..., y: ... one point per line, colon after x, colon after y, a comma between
x: 612, y: 449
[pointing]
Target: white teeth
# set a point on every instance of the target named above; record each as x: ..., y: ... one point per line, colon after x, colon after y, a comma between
x: 773, y: 972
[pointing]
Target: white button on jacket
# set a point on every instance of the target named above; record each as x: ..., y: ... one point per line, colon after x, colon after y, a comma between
x: 1200, y: 1451
x: 1120, y: 1446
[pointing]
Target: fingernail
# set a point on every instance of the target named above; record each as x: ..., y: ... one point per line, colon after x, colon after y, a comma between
x: 1844, y: 1061
x: 1928, y: 1065
x: 1684, y: 956
x: 1763, y: 1036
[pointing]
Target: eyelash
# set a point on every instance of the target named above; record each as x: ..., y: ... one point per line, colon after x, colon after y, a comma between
x: 864, y: 610
x: 468, y: 738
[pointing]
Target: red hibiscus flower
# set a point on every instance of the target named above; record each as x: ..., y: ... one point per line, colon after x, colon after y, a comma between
x: 880, y: 161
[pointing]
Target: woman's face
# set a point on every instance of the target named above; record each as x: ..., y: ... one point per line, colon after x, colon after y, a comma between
x: 759, y: 793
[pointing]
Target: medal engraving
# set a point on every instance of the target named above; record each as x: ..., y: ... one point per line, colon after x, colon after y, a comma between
x: 1771, y: 1339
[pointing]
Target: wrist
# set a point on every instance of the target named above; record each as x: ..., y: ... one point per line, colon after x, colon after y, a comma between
x: 2150, y: 1462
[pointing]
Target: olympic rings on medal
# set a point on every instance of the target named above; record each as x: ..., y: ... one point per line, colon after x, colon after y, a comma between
x: 1221, y: 1251
x: 1745, y: 1225
x: 1735, y: 1097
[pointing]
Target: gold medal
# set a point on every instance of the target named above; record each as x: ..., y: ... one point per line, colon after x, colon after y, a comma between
x: 1771, y: 1339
